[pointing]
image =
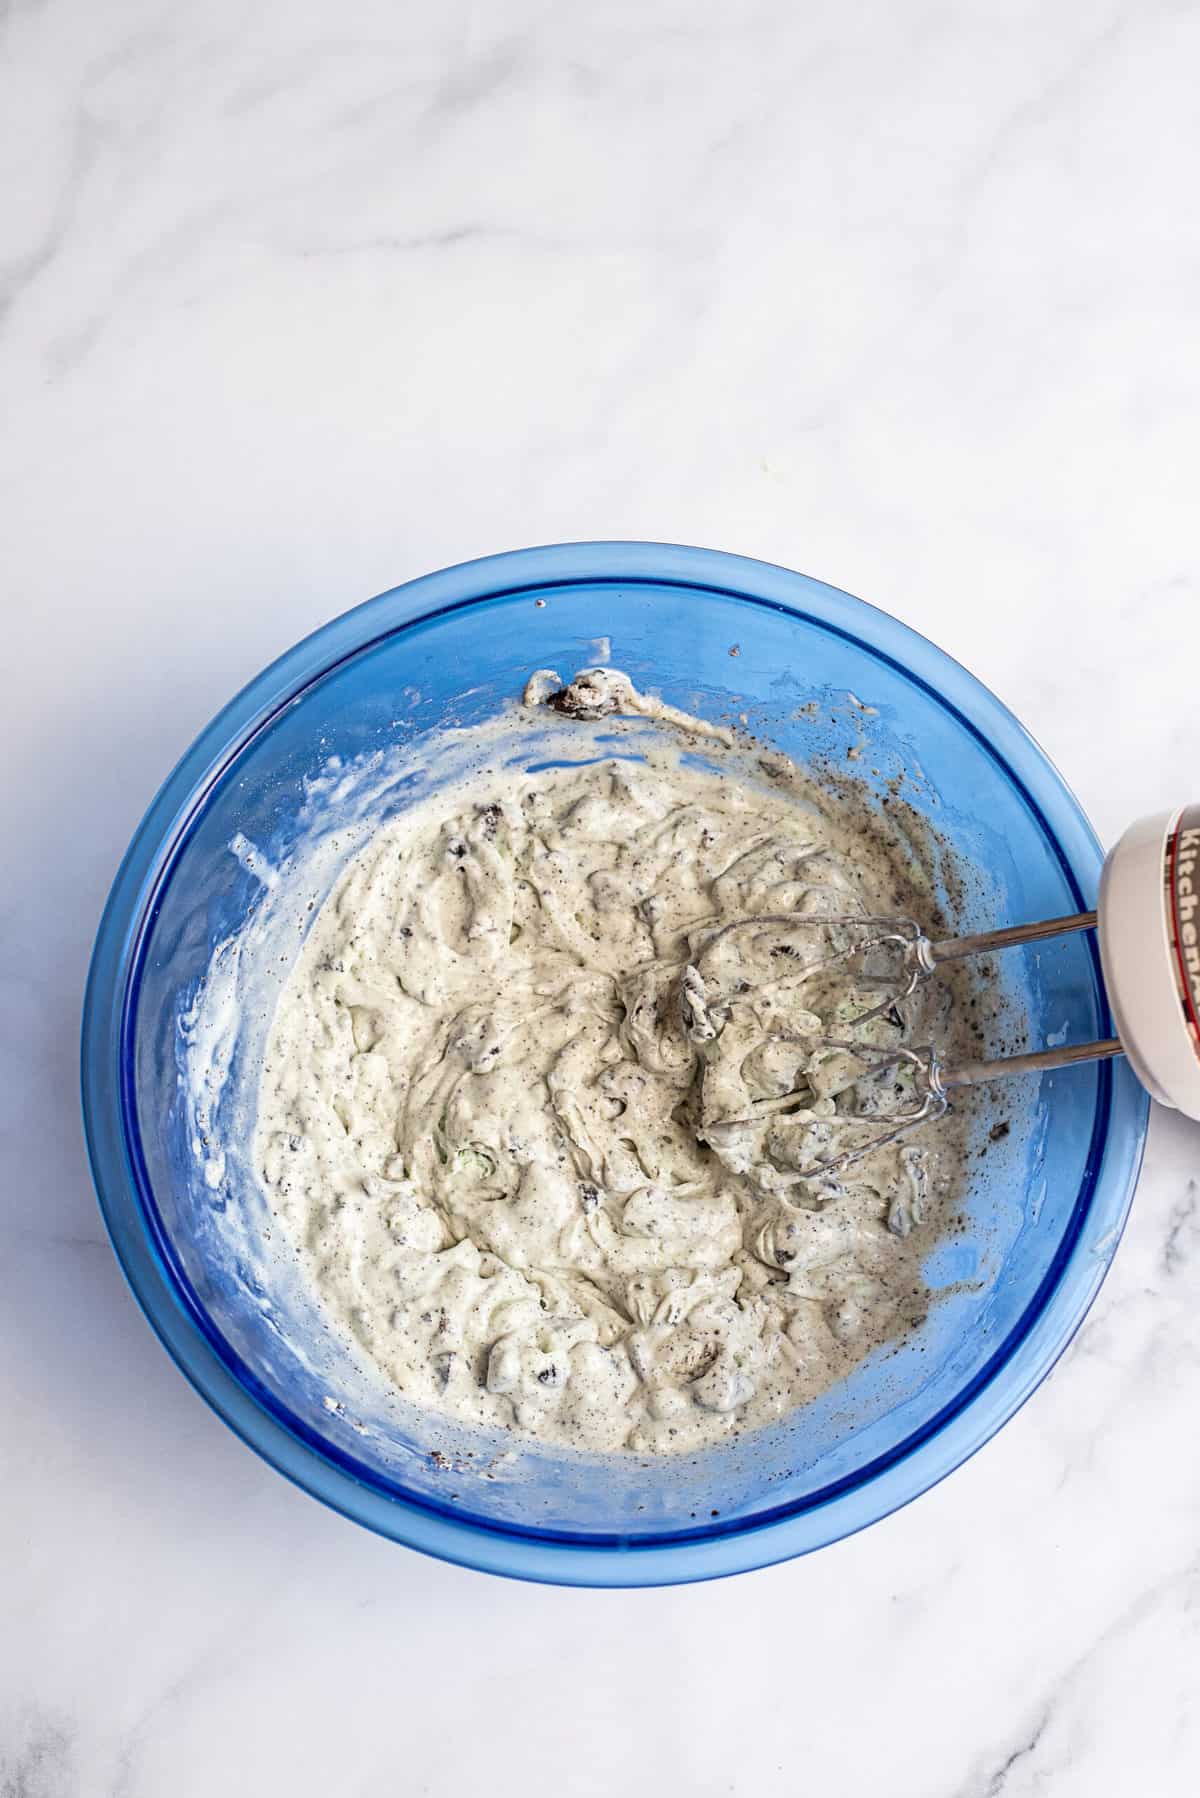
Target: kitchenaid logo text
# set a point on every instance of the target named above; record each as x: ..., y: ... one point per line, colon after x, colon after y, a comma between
x: 1187, y: 902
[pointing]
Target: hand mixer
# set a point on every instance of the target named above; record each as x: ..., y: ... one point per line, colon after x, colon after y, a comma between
x: 1148, y: 923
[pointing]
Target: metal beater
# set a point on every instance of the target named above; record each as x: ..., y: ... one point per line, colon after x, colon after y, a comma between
x: 1148, y: 920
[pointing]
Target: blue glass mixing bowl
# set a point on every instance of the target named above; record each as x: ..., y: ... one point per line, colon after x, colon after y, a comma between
x: 1046, y: 1204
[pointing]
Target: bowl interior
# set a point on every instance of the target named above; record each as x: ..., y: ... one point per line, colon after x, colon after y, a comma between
x: 234, y: 887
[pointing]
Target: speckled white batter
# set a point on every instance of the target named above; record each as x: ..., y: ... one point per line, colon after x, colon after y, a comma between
x: 543, y: 1125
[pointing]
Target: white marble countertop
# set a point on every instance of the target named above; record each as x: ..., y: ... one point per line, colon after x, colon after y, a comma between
x: 302, y: 300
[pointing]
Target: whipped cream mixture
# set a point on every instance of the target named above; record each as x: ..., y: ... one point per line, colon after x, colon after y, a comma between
x: 550, y: 1086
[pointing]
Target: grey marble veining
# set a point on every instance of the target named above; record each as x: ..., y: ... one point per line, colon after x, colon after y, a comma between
x: 299, y: 301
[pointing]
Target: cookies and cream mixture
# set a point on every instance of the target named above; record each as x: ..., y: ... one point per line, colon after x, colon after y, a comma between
x: 550, y: 1096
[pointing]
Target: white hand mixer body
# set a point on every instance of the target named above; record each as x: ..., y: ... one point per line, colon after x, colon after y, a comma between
x: 1149, y: 928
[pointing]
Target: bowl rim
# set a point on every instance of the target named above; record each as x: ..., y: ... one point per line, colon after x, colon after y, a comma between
x: 1019, y: 1365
